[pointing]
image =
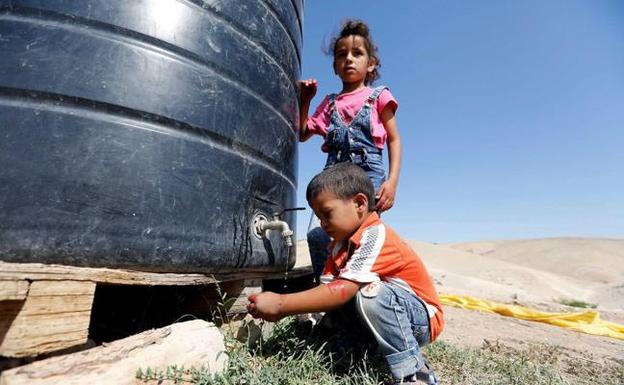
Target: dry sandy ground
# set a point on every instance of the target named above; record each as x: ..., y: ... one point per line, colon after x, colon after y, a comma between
x: 537, y: 273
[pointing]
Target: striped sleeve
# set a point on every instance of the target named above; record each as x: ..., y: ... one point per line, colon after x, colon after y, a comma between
x: 359, y: 267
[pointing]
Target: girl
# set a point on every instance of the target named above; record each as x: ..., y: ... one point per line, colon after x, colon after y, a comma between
x: 355, y: 123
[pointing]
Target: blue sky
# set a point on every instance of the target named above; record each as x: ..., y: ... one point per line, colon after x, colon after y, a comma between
x: 511, y: 114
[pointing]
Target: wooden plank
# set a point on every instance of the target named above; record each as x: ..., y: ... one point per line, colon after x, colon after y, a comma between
x: 54, y: 316
x: 189, y: 344
x: 39, y: 271
x: 13, y: 290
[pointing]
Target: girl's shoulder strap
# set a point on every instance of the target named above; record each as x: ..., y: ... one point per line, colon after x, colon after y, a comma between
x: 375, y: 94
x: 332, y: 101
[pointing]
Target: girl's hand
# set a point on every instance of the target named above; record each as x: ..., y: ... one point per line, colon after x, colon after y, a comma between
x: 265, y: 305
x: 307, y: 90
x: 385, y: 196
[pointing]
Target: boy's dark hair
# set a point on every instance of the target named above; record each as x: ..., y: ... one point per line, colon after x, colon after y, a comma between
x: 359, y: 28
x: 344, y: 180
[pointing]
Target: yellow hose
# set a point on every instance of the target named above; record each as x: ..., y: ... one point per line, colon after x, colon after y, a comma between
x: 587, y: 321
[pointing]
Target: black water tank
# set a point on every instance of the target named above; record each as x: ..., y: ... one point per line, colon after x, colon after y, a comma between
x: 147, y: 134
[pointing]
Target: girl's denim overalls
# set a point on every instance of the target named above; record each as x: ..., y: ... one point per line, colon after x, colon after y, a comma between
x: 347, y: 143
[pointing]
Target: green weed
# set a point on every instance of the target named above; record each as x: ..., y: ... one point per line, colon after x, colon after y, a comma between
x: 576, y: 303
x: 290, y: 357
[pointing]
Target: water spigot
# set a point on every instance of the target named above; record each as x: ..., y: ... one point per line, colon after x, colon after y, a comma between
x: 276, y: 224
x: 262, y: 225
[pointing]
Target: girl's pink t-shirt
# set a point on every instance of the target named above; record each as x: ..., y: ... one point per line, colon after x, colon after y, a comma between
x: 348, y: 105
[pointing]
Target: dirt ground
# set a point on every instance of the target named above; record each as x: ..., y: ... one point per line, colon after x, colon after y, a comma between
x: 475, y: 328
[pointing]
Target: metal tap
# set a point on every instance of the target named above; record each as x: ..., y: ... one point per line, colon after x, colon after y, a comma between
x: 276, y: 224
x: 261, y: 225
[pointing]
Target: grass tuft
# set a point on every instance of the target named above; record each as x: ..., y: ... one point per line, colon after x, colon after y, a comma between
x: 576, y: 303
x: 290, y: 357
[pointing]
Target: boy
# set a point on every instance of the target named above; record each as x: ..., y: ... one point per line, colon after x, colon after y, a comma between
x: 371, y: 266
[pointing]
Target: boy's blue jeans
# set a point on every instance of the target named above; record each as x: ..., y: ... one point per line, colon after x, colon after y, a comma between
x: 397, y: 319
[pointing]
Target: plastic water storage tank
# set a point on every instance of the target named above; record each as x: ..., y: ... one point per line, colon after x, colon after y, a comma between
x: 148, y: 134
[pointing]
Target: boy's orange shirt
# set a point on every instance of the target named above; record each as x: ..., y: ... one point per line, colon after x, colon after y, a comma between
x: 376, y: 253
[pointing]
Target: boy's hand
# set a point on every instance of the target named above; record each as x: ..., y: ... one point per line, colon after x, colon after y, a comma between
x: 307, y: 90
x: 385, y: 196
x: 265, y: 305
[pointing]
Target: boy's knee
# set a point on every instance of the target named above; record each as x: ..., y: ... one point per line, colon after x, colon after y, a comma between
x: 364, y: 304
x: 367, y: 300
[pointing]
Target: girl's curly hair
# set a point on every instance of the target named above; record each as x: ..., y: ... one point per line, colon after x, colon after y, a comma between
x: 359, y: 28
